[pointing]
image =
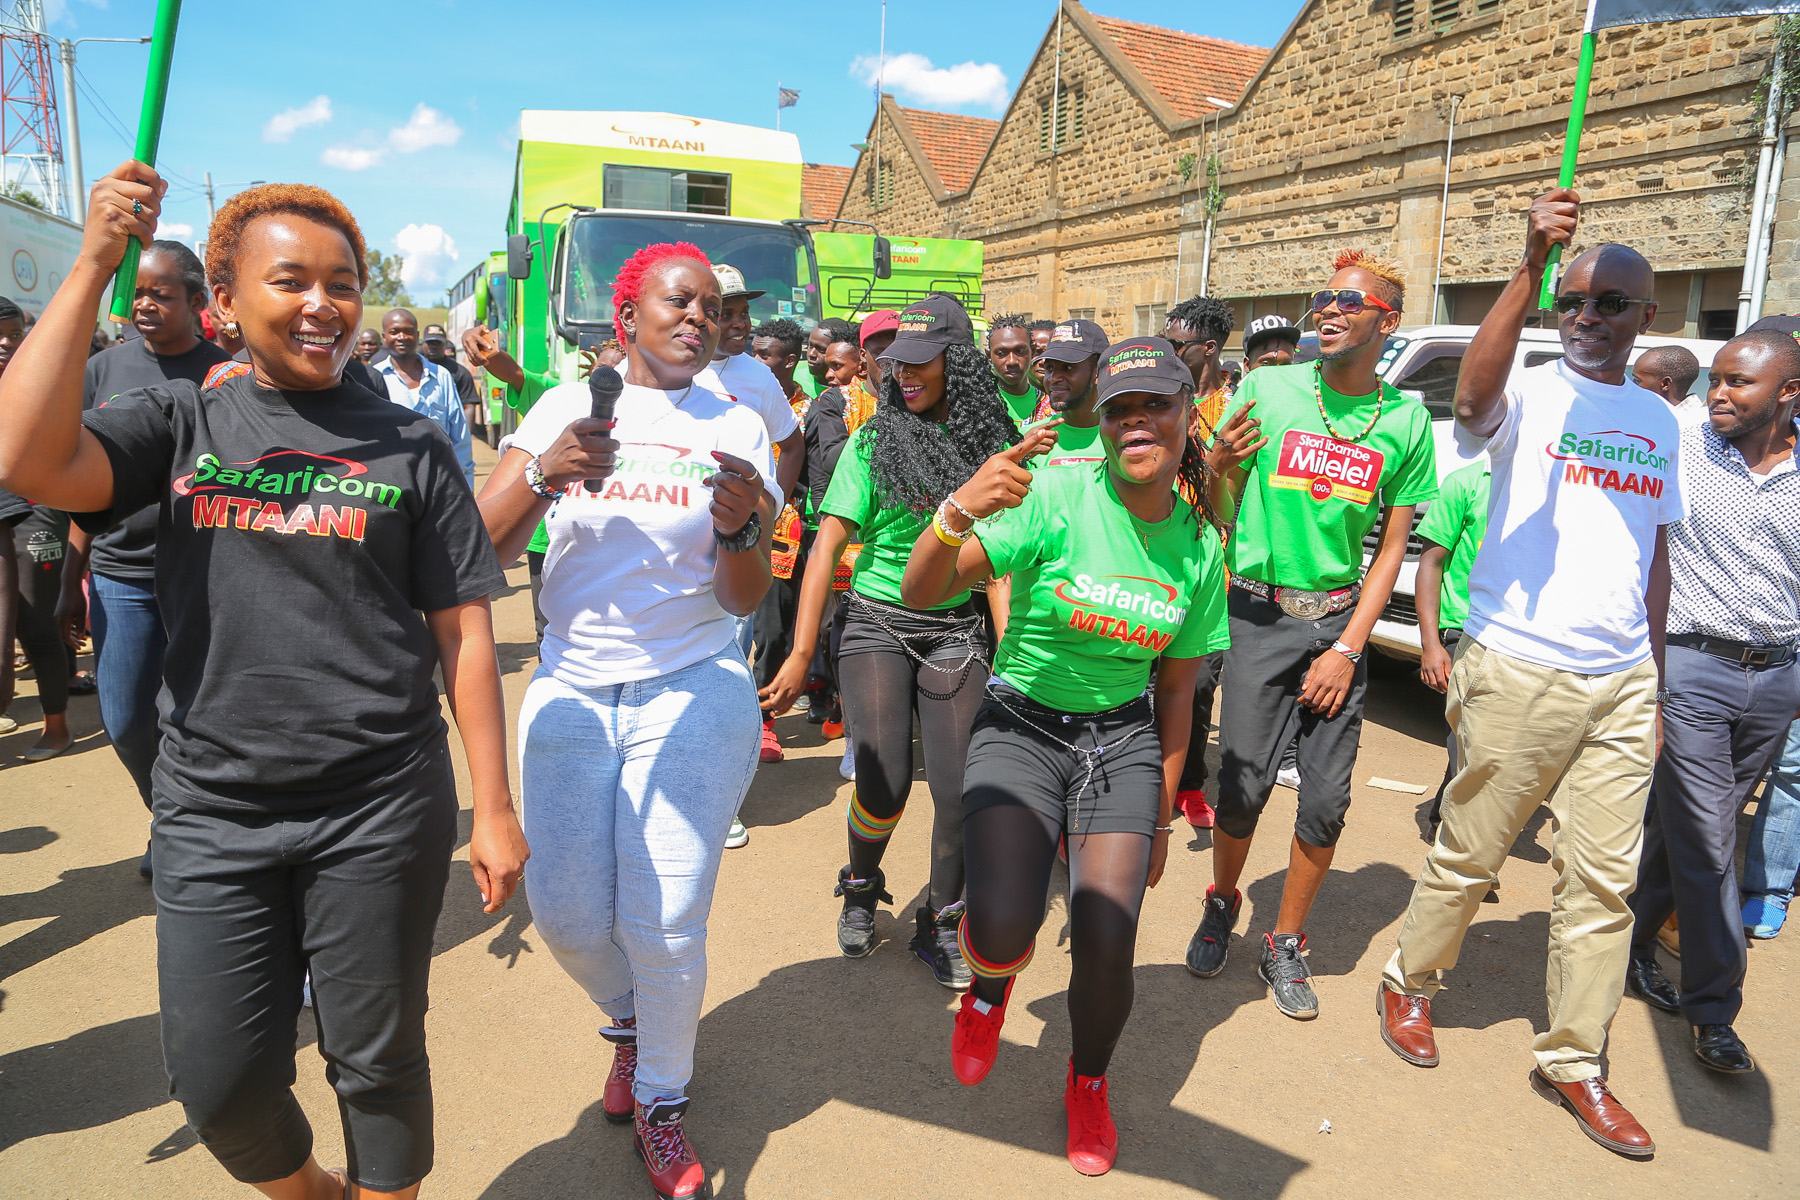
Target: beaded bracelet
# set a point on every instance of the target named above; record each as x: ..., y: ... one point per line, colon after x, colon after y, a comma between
x: 1346, y: 651
x: 947, y: 535
x: 953, y: 502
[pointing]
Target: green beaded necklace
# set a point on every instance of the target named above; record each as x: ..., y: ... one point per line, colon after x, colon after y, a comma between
x: 1319, y: 399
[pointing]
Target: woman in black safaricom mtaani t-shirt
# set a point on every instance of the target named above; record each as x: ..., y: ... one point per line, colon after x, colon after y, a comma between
x: 304, y: 808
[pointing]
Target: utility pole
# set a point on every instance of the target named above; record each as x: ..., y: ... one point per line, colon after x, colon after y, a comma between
x: 210, y: 211
x: 72, y: 152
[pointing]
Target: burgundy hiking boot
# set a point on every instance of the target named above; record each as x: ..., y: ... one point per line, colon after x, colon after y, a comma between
x: 675, y: 1171
x: 616, y: 1100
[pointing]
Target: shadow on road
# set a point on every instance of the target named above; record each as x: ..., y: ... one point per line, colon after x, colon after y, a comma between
x: 83, y: 903
x: 98, y: 1076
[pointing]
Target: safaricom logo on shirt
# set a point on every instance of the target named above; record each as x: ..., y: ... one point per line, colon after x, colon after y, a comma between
x: 1594, y: 459
x: 1127, y: 594
x: 284, y: 473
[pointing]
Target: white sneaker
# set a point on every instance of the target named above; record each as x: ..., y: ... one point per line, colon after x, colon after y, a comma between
x: 847, y: 768
x: 737, y: 836
x: 1288, y: 777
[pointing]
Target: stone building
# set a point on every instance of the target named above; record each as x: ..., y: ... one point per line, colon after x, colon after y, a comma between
x: 822, y: 189
x: 1338, y: 137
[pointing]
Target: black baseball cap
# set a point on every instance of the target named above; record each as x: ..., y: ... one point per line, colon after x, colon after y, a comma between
x: 434, y: 333
x: 1780, y: 324
x: 1074, y: 340
x: 1268, y: 328
x: 1142, y: 364
x: 928, y: 327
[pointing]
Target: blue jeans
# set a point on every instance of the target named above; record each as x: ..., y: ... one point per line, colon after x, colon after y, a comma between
x: 1772, y: 858
x: 128, y: 645
x: 628, y: 792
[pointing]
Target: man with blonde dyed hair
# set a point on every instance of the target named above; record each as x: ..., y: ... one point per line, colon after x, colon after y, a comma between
x: 1310, y: 457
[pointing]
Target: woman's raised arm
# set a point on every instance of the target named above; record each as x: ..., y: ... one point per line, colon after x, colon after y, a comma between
x: 45, y: 454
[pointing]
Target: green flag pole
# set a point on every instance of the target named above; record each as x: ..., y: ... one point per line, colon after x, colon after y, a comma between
x: 149, y: 133
x: 1584, y: 73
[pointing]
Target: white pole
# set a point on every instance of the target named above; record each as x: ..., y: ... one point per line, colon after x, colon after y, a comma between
x: 72, y: 140
x: 1768, y: 228
x: 1760, y: 200
x: 778, y: 106
x: 1437, y: 279
x: 880, y: 68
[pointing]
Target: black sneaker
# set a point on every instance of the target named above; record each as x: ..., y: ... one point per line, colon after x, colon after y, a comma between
x: 1212, y: 941
x: 856, y: 924
x: 935, y: 942
x: 1284, y: 969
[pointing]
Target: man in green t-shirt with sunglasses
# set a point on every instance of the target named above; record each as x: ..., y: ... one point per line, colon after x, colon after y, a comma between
x: 1310, y: 457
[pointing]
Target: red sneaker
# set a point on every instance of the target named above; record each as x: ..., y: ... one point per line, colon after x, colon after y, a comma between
x: 1194, y: 807
x: 976, y: 1041
x: 771, y: 745
x: 1093, y: 1139
x: 616, y: 1100
x: 832, y: 730
x: 675, y: 1171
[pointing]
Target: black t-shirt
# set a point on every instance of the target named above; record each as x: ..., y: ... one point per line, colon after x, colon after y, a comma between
x: 128, y: 549
x: 299, y: 537
x: 12, y: 510
x: 459, y: 375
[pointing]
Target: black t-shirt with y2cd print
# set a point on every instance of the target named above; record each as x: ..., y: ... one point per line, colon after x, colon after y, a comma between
x: 299, y: 537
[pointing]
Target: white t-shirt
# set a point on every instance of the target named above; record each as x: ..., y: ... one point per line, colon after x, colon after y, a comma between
x: 628, y: 577
x: 745, y: 379
x: 1693, y: 410
x: 1584, y: 474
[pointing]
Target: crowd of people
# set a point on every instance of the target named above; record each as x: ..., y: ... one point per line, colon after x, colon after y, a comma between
x: 1057, y: 552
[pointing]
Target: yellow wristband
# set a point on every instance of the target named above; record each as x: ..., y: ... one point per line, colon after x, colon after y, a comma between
x: 944, y: 533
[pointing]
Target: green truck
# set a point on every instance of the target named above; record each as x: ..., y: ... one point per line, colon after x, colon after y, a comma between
x: 591, y: 188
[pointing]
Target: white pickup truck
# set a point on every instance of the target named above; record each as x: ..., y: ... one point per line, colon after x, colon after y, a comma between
x: 1424, y: 362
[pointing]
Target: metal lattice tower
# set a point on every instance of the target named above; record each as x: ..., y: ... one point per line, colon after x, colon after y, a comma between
x: 31, y: 147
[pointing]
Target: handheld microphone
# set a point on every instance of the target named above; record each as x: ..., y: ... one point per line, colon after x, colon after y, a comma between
x: 604, y: 386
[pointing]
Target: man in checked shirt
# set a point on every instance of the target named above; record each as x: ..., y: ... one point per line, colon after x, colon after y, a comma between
x: 1731, y: 682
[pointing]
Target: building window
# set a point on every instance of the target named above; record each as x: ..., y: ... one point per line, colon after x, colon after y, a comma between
x: 1444, y: 12
x: 1148, y: 320
x: 1071, y: 119
x: 884, y: 193
x: 1403, y: 19
x: 1081, y: 314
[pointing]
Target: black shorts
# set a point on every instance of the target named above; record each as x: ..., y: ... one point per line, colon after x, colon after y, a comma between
x: 1017, y: 756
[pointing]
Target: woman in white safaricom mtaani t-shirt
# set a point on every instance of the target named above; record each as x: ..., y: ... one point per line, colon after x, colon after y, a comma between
x: 639, y: 733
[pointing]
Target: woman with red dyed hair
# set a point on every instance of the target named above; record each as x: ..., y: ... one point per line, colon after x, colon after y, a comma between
x: 303, y: 804
x: 640, y: 731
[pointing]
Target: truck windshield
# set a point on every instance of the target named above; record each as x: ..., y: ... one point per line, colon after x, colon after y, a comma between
x: 774, y: 259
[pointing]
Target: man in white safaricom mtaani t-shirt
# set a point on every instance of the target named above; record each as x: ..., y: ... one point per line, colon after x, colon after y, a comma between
x: 1554, y: 696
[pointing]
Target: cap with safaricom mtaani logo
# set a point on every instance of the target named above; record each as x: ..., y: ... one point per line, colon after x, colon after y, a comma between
x: 1145, y: 364
x: 928, y: 327
x: 1075, y: 340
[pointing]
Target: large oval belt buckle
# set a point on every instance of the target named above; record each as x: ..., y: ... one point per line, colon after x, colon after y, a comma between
x: 1301, y: 605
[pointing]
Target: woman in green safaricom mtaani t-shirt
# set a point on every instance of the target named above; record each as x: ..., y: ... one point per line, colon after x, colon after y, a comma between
x: 938, y: 418
x: 1113, y: 572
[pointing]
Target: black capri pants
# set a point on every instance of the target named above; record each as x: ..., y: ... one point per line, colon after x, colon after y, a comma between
x: 39, y: 541
x: 245, y: 903
x: 1264, y: 670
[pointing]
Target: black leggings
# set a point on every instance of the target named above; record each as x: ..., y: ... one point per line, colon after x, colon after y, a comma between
x: 883, y: 686
x: 1010, y: 852
x: 39, y: 541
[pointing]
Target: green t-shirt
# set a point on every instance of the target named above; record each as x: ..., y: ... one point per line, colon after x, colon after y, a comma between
x: 1457, y: 521
x: 520, y: 401
x: 1020, y: 407
x: 804, y: 377
x: 887, y: 534
x: 1311, y: 498
x: 1076, y: 445
x: 1098, y: 595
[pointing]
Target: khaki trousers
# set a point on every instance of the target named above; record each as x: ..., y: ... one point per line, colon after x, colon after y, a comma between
x: 1585, y: 745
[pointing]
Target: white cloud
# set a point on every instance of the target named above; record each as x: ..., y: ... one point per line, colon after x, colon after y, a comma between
x: 426, y: 127
x: 913, y: 75
x: 426, y: 252
x: 283, y: 125
x: 175, y: 231
x: 351, y: 158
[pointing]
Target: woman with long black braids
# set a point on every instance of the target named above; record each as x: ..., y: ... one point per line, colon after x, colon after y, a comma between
x: 1113, y: 572
x: 939, y: 418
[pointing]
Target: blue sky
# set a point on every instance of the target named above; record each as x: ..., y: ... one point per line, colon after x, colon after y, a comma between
x: 409, y: 112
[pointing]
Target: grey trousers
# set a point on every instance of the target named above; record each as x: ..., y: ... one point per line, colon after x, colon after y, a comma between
x: 1723, y: 724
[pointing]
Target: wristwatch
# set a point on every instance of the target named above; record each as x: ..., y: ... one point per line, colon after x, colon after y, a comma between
x: 744, y: 538
x: 1662, y: 695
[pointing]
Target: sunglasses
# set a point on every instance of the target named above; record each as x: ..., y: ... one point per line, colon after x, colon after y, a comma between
x: 1349, y: 301
x: 1181, y: 345
x: 1609, y: 305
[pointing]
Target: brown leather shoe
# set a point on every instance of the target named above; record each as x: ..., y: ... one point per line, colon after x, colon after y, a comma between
x: 1406, y: 1026
x: 1598, y: 1112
